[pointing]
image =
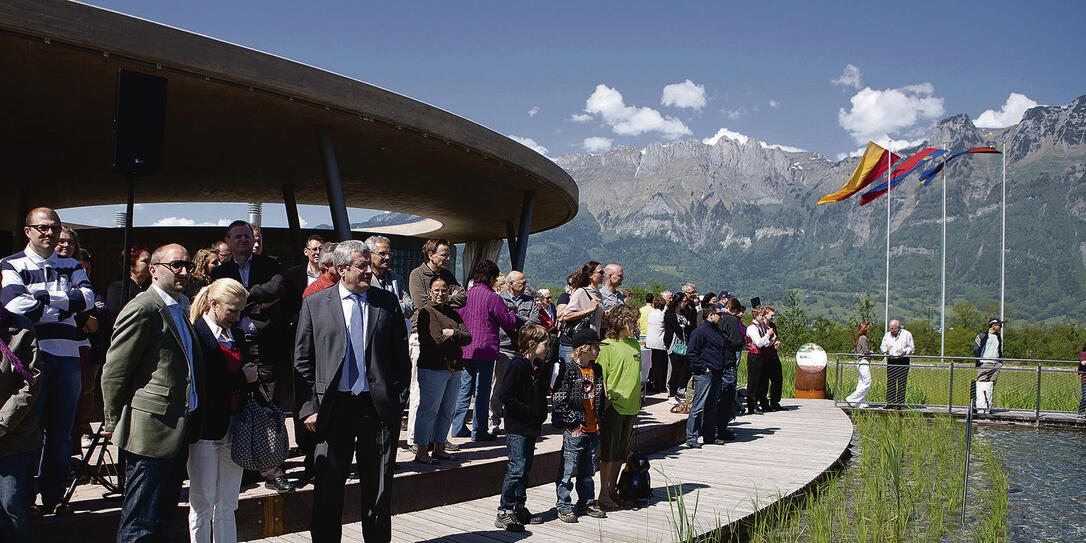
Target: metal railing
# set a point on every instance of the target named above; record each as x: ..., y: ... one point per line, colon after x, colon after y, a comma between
x: 945, y: 382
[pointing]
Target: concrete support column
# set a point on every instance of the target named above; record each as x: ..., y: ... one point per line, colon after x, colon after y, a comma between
x: 293, y: 222
x: 518, y: 247
x: 333, y: 185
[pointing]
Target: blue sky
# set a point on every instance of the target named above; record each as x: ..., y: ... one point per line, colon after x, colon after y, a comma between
x: 577, y: 77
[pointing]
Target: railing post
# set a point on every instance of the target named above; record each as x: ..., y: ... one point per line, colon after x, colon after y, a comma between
x: 1037, y: 413
x: 836, y: 378
x: 950, y: 397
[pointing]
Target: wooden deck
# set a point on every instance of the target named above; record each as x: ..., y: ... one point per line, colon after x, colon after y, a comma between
x: 477, y: 473
x: 775, y: 455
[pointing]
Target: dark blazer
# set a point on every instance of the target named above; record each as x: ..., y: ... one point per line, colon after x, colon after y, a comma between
x: 145, y: 380
x: 321, y: 346
x: 735, y: 337
x: 266, y: 284
x: 219, y: 383
x: 295, y: 280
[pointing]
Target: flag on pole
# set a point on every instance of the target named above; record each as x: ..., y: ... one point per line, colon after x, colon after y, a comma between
x: 930, y: 174
x: 903, y: 170
x: 873, y: 164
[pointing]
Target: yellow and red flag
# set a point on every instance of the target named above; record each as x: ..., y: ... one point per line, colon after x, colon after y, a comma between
x: 873, y: 164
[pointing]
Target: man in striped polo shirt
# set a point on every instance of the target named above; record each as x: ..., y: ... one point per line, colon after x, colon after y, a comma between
x: 49, y: 290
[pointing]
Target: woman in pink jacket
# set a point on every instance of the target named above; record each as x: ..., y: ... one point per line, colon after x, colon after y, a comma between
x: 483, y: 314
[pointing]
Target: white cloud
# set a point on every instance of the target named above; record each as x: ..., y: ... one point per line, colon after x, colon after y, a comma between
x: 886, y: 143
x: 850, y: 77
x: 184, y: 221
x: 725, y: 133
x: 774, y: 104
x: 580, y: 118
x: 597, y: 144
x: 629, y: 120
x: 1013, y: 109
x: 734, y: 114
x: 529, y: 143
x: 785, y: 148
x: 174, y: 221
x: 533, y: 111
x: 686, y: 94
x: 875, y: 114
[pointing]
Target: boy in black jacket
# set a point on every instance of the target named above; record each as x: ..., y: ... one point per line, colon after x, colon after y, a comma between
x: 578, y: 401
x: 524, y: 394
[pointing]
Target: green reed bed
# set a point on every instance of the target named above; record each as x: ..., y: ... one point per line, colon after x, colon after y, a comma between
x: 904, y: 485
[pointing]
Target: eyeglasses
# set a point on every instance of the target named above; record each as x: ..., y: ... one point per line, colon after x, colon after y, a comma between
x: 597, y: 271
x: 45, y: 228
x: 383, y: 254
x: 177, y: 265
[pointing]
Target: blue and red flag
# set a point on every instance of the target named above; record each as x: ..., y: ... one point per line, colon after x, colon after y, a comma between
x: 907, y: 167
x: 930, y: 174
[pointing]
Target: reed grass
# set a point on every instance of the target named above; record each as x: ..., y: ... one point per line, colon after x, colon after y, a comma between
x: 905, y: 485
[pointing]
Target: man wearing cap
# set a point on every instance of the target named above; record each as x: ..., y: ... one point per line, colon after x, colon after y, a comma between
x: 988, y: 347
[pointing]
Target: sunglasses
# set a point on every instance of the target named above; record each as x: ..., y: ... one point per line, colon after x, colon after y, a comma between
x: 177, y: 265
x: 45, y: 228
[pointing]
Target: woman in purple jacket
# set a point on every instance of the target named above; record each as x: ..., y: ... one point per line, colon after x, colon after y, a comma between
x: 483, y: 314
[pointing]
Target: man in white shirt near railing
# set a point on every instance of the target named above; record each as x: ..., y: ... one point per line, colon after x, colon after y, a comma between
x: 898, y: 345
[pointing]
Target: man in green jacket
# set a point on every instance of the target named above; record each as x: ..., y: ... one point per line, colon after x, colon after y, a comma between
x: 20, y: 435
x: 151, y: 384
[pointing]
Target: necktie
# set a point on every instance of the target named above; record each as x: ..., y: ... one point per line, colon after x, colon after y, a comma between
x: 358, y: 329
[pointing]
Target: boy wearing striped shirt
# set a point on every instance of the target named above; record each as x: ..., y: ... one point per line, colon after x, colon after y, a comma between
x: 49, y: 290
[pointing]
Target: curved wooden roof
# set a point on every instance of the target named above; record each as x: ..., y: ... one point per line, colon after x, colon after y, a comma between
x: 241, y: 123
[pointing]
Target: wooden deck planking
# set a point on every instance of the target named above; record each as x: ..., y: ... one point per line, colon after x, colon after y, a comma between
x: 775, y: 455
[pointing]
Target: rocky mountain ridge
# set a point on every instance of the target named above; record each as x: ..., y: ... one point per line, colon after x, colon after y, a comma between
x: 742, y: 216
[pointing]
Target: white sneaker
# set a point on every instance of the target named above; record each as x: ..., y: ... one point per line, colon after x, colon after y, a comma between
x: 672, y: 400
x: 863, y: 406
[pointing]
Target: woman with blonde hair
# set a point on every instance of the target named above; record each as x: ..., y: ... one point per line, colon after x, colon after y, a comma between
x: 863, y: 351
x: 214, y: 479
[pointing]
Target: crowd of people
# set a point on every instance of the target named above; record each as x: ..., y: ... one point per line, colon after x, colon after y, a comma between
x: 346, y: 345
x: 178, y: 347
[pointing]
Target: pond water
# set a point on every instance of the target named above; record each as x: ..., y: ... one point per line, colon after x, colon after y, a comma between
x: 1046, y: 488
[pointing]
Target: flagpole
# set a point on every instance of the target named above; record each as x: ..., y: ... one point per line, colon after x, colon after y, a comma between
x: 889, y: 194
x: 1003, y: 242
x: 942, y: 302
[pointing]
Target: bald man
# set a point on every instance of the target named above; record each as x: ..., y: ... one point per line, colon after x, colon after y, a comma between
x: 514, y: 295
x: 610, y: 290
x: 152, y: 382
x: 49, y: 290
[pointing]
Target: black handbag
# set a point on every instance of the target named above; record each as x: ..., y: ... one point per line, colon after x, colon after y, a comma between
x: 259, y: 438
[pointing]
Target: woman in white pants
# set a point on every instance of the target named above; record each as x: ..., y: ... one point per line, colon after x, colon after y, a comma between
x: 862, y: 348
x: 214, y: 479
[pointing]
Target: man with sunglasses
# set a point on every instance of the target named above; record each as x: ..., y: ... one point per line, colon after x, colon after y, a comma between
x: 264, y: 322
x: 152, y: 383
x: 50, y: 290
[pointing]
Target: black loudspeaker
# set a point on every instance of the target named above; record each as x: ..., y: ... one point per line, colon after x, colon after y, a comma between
x: 139, y: 123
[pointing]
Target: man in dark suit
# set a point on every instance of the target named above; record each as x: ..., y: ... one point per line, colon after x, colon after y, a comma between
x: 152, y: 382
x: 262, y: 322
x: 301, y: 276
x: 352, y: 364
